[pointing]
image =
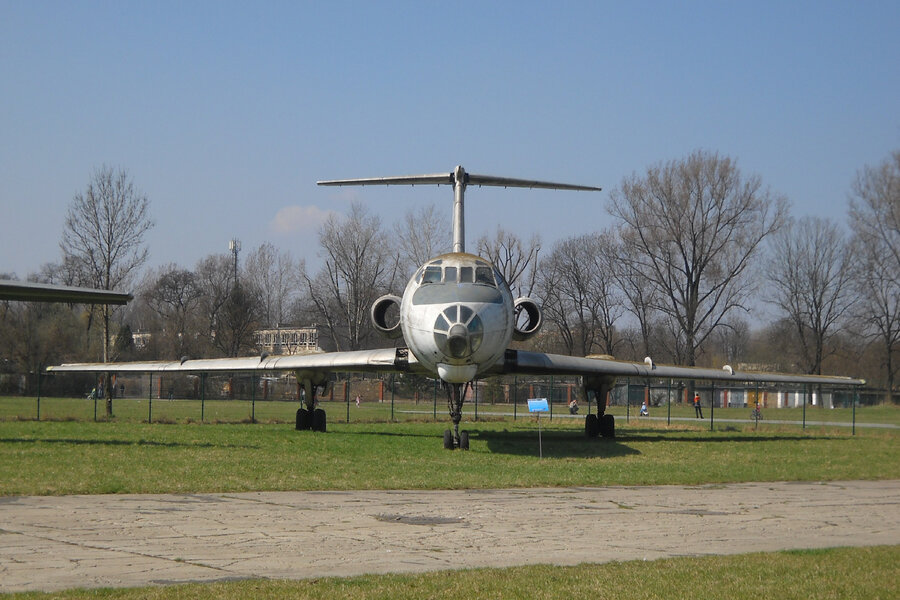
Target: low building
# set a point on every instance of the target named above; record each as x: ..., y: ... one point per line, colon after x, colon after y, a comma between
x: 287, y: 340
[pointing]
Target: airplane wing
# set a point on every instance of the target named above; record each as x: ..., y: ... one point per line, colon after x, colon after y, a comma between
x: 45, y: 292
x: 516, y: 362
x: 360, y: 361
x: 538, y: 363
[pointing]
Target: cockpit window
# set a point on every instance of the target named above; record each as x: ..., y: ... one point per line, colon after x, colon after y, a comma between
x: 498, y: 276
x: 432, y: 275
x: 450, y: 274
x: 466, y: 275
x: 484, y: 275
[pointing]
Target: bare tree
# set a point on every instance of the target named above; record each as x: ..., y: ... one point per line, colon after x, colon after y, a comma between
x: 422, y: 234
x: 272, y: 274
x: 359, y: 267
x: 733, y: 339
x: 215, y: 277
x: 875, y: 219
x: 580, y: 295
x: 516, y: 259
x: 810, y: 273
x: 694, y: 226
x: 639, y: 298
x: 104, y: 237
x: 175, y: 296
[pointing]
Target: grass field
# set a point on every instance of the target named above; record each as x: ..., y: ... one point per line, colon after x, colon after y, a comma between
x: 179, y: 454
x: 75, y: 457
x: 846, y: 573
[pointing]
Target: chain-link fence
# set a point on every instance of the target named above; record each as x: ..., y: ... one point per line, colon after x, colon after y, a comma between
x: 275, y: 398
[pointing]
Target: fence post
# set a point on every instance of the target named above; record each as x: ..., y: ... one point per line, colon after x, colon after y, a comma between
x: 712, y: 404
x: 252, y: 397
x: 434, y: 408
x: 550, y: 397
x: 854, y: 399
x: 515, y: 397
x: 392, y: 396
x: 39, y: 392
x: 346, y: 399
x: 757, y: 409
x: 669, y: 403
x: 805, y: 400
x: 150, y: 400
x: 202, y: 396
x: 628, y: 400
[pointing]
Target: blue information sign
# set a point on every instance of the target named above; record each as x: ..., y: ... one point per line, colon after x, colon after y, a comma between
x: 538, y: 405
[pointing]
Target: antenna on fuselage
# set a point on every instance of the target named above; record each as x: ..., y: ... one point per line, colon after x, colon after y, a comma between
x: 459, y: 179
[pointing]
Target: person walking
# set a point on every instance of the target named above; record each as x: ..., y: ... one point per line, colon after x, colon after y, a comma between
x: 698, y: 410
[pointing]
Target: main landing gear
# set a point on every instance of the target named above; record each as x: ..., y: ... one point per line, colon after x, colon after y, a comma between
x: 601, y: 424
x: 456, y: 394
x: 312, y: 417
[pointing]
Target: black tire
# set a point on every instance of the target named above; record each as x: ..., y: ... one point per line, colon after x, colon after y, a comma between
x: 463, y: 440
x: 591, y: 426
x: 303, y: 419
x: 608, y: 426
x: 318, y: 420
x: 448, y: 439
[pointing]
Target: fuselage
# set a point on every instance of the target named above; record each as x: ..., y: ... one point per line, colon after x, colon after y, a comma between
x: 457, y: 316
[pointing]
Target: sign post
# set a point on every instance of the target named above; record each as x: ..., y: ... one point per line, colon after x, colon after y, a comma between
x: 539, y: 405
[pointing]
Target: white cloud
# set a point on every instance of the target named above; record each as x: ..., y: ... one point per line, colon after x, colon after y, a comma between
x: 293, y: 219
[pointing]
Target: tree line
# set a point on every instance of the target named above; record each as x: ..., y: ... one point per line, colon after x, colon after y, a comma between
x: 702, y: 265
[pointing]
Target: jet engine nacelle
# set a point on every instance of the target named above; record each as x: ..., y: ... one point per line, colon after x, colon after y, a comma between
x: 533, y: 320
x: 379, y: 314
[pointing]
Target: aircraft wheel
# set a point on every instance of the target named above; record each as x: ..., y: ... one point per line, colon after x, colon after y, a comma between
x: 318, y: 420
x: 464, y: 440
x: 591, y: 426
x: 448, y: 439
x: 304, y: 421
x: 608, y: 426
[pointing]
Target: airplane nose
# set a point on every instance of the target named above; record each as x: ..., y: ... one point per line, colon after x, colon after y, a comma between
x: 458, y: 332
x: 458, y: 341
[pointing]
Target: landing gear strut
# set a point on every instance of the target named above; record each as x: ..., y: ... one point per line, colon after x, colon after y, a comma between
x: 311, y: 417
x: 456, y: 393
x: 600, y: 424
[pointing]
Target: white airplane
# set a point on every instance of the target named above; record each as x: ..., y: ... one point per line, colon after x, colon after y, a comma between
x: 457, y: 318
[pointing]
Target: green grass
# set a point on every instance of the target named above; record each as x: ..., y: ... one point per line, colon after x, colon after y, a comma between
x: 870, y: 573
x: 73, y: 457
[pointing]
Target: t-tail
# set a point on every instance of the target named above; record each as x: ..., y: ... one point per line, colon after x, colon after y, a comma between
x: 459, y: 179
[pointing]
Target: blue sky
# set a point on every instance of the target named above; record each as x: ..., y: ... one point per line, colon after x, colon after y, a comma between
x: 226, y: 114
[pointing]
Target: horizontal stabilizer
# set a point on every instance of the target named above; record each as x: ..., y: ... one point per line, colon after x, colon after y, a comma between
x: 450, y: 179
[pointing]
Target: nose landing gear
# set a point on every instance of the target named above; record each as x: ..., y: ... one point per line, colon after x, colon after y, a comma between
x: 456, y: 394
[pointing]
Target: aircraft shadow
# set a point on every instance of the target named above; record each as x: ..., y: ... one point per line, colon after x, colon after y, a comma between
x: 705, y: 439
x: 151, y: 443
x: 553, y: 444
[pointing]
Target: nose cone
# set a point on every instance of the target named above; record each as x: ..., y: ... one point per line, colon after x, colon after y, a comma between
x: 458, y: 341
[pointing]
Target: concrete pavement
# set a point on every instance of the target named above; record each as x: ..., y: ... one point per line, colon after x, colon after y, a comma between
x: 51, y: 543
